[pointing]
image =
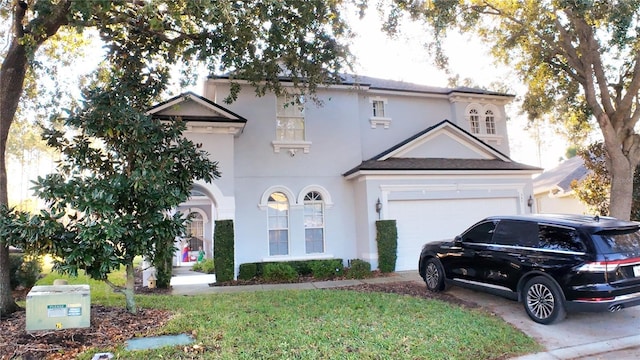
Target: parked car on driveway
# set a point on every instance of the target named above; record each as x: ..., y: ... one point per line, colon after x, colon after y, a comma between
x: 552, y: 263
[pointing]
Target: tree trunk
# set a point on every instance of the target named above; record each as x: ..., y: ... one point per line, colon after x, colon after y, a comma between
x: 621, y: 193
x: 129, y: 288
x: 12, y: 74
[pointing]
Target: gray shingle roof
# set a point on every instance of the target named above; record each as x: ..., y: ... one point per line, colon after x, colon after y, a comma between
x: 425, y: 164
x: 561, y: 176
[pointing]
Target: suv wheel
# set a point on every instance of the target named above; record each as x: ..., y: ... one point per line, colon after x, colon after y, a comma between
x: 434, y: 275
x: 543, y: 301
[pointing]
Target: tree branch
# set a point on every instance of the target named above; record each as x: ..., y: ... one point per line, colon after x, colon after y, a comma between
x: 113, y: 286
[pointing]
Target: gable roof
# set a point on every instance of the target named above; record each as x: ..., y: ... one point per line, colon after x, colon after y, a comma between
x: 405, y: 156
x: 558, y: 179
x: 213, y: 111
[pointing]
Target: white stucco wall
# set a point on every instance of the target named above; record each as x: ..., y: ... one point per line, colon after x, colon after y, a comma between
x: 341, y: 136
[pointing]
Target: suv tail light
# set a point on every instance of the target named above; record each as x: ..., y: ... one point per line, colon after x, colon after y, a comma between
x: 606, y: 266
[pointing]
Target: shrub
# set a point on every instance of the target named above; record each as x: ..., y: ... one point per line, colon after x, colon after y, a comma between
x: 358, y: 269
x: 303, y: 268
x: 24, y: 270
x: 326, y: 269
x: 248, y: 271
x: 163, y: 262
x: 387, y: 238
x: 223, y: 250
x: 206, y: 266
x: 279, y: 272
x: 15, y: 262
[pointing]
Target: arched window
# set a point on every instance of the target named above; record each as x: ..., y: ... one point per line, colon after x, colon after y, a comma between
x: 314, y: 222
x: 490, y: 122
x: 278, y: 213
x: 474, y: 121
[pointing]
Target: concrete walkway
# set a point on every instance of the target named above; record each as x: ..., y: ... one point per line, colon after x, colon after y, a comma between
x: 186, y: 282
x: 590, y: 336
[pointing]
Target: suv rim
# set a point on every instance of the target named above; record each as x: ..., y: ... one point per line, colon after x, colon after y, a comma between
x: 540, y: 301
x: 432, y: 276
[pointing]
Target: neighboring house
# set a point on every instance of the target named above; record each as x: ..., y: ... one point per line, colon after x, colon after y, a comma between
x: 552, y: 189
x: 308, y: 181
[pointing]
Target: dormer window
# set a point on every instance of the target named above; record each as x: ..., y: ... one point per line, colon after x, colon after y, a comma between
x: 483, y: 122
x: 474, y: 121
x: 490, y: 122
x: 379, y: 112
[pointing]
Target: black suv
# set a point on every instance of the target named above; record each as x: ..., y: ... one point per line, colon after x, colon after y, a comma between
x: 551, y: 263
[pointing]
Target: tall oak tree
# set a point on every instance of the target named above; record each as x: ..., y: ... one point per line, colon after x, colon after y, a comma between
x: 580, y: 59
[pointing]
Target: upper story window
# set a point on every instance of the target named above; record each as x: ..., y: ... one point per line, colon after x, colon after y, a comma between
x: 490, y: 122
x: 474, y: 121
x: 379, y: 113
x: 484, y: 120
x: 314, y: 222
x: 278, y: 213
x: 290, y: 118
x: 378, y: 108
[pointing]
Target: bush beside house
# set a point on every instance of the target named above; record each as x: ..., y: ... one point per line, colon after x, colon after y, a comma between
x: 223, y: 252
x: 291, y: 271
x: 387, y: 239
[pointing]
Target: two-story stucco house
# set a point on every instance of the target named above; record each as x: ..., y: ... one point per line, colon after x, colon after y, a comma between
x: 308, y: 181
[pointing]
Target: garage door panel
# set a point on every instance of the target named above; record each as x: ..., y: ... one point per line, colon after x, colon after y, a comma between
x: 423, y: 221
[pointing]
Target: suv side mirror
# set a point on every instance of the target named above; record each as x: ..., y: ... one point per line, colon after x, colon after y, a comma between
x: 457, y: 240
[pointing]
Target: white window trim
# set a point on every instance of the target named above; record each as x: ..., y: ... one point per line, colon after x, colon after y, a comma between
x: 264, y: 199
x: 376, y: 121
x: 288, y: 226
x: 314, y: 256
x: 324, y: 222
x: 482, y: 134
x: 328, y: 203
x: 292, y: 146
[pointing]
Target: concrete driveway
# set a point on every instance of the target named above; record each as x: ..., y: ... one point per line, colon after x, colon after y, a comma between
x: 579, y: 336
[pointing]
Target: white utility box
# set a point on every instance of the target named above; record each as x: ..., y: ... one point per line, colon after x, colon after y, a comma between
x: 55, y: 307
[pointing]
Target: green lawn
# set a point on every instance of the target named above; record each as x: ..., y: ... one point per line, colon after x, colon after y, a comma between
x: 321, y: 324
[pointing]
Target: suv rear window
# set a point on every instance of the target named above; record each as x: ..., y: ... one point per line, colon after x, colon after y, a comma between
x: 618, y: 241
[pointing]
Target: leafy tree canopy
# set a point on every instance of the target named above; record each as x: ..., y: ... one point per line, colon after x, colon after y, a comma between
x: 578, y: 59
x: 253, y: 41
x: 120, y: 176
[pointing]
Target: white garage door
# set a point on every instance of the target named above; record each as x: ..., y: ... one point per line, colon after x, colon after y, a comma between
x: 422, y: 221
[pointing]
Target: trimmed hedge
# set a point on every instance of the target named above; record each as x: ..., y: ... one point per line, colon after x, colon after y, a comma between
x: 325, y: 268
x: 387, y: 239
x: 358, y: 269
x: 248, y: 271
x: 279, y: 272
x: 223, y: 250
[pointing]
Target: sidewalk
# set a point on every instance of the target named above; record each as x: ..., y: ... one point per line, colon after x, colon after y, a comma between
x: 186, y: 282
